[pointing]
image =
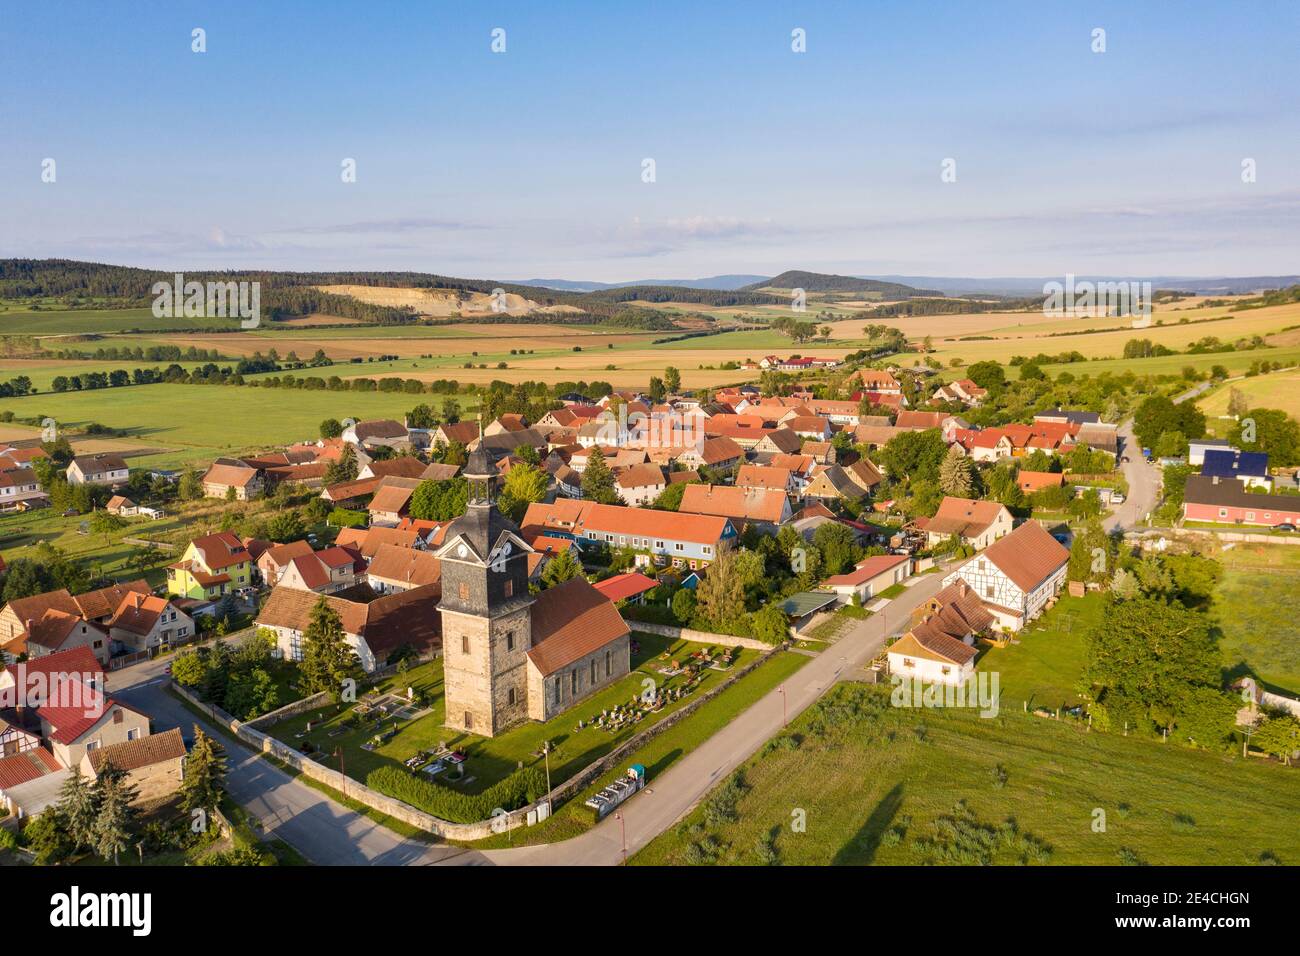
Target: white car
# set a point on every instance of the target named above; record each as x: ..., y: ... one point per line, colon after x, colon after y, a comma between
x: 1116, y: 498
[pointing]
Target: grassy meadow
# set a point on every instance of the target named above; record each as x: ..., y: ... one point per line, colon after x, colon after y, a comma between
x: 875, y: 784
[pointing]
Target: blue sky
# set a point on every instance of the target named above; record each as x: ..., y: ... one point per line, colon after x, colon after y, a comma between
x: 528, y: 163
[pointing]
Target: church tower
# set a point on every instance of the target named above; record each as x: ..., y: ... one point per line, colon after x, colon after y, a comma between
x: 485, y: 608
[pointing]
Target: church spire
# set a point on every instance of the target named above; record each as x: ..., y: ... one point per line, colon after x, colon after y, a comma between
x: 480, y: 472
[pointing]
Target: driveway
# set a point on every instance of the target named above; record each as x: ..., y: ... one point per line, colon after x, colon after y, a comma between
x: 1143, y: 484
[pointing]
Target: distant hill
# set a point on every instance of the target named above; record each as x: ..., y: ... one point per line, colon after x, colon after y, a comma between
x: 1017, y: 286
x: 824, y: 282
x: 726, y: 283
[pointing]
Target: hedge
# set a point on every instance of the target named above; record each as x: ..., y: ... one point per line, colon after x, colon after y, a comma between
x: 519, y: 789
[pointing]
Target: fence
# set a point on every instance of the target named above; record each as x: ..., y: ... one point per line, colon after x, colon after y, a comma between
x: 525, y: 816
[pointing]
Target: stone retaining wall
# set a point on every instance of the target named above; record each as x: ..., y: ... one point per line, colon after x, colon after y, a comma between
x: 699, y: 637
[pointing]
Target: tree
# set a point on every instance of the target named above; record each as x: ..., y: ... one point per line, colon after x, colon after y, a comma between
x: 672, y: 380
x: 524, y: 485
x: 78, y: 808
x: 116, y: 815
x: 1278, y: 734
x: 26, y: 578
x: 331, y: 428
x: 190, y: 486
x: 47, y: 837
x: 327, y: 661
x: 769, y: 624
x: 563, y: 567
x: 1142, y: 660
x: 721, y: 595
x: 344, y: 468
x: 1170, y: 445
x: 285, y: 526
x: 1158, y: 414
x: 189, y: 668
x: 957, y: 474
x: 987, y: 375
x: 683, y: 605
x: 435, y: 500
x: 838, y: 546
x: 1090, y: 555
x: 1269, y: 430
x: 915, y: 455
x: 205, y: 774
x: 598, y: 480
x: 1238, y: 404
x: 670, y: 499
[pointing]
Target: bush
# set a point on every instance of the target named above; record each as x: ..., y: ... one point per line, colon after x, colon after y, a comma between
x: 517, y: 790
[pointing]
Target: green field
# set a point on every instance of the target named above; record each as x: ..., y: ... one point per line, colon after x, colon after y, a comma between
x: 197, y: 423
x: 1235, y: 362
x: 21, y: 321
x: 1253, y: 607
x: 879, y: 784
x: 1275, y: 390
x: 493, y: 759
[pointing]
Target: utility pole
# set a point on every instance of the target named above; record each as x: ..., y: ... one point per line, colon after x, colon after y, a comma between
x: 623, y: 823
x: 785, y: 707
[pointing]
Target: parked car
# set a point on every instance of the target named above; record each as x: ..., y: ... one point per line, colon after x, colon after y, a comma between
x: 1116, y: 498
x: 1284, y: 526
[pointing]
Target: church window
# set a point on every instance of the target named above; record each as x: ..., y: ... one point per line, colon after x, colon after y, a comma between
x: 510, y: 587
x: 573, y: 681
x: 464, y: 591
x: 512, y: 696
x: 469, y: 720
x: 464, y: 643
x: 559, y: 686
x: 608, y: 667
x: 510, y: 642
x: 593, y: 672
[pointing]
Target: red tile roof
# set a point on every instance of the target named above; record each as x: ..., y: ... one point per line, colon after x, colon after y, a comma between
x: 570, y: 621
x: 623, y: 586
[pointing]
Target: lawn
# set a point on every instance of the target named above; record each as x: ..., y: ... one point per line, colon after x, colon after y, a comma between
x: 1275, y: 390
x: 1044, y: 666
x: 197, y: 423
x: 661, y: 752
x: 490, y: 760
x: 874, y: 783
x: 1253, y: 607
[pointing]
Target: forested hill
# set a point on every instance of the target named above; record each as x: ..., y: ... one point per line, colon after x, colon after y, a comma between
x: 88, y: 284
x: 824, y: 282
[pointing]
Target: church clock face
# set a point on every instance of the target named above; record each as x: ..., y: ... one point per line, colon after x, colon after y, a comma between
x: 461, y: 550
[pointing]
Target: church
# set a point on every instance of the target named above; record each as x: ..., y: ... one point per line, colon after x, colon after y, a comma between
x: 510, y: 656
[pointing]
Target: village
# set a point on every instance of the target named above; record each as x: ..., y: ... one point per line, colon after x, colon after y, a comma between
x: 496, y: 584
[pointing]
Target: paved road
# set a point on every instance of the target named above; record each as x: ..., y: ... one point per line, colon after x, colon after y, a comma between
x: 1143, y: 484
x: 674, y: 793
x: 320, y: 829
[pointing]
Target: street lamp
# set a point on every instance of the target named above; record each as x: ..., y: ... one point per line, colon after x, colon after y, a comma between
x: 785, y: 709
x: 623, y: 823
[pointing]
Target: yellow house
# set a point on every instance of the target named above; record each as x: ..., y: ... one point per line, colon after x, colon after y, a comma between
x: 211, y: 566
